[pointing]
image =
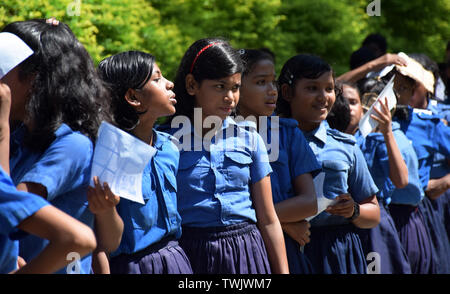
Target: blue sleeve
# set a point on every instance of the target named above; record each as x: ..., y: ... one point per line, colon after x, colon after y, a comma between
x: 15, y: 206
x: 442, y: 139
x: 361, y: 184
x: 383, y: 158
x: 301, y: 158
x: 64, y: 166
x: 260, y: 167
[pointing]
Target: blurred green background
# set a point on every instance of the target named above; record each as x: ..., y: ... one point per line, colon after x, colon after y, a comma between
x: 332, y: 29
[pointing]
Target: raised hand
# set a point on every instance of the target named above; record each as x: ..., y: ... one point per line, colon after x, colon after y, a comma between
x: 383, y: 117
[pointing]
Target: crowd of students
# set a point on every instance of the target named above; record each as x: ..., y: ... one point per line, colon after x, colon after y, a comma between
x: 232, y: 187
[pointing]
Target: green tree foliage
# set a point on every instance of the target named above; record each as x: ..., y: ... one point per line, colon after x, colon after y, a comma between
x: 332, y: 29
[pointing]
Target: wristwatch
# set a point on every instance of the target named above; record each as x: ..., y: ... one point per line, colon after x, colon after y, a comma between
x: 355, y: 212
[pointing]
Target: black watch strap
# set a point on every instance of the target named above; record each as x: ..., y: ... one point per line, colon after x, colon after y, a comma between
x: 355, y: 211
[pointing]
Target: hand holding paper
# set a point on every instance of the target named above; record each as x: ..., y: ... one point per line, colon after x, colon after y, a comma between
x: 383, y: 117
x: 322, y: 201
x: 343, y: 206
x: 101, y: 199
x: 120, y: 160
x: 367, y: 123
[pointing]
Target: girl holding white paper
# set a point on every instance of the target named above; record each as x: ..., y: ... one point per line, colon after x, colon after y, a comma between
x: 387, y: 163
x: 140, y: 95
x: 292, y: 180
x: 307, y: 93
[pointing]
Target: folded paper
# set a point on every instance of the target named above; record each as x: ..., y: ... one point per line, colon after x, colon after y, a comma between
x: 120, y: 160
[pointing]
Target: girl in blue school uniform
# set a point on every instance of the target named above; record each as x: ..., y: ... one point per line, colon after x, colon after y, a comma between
x: 307, y: 93
x: 32, y: 214
x: 56, y: 110
x: 389, y: 156
x: 224, y: 192
x: 430, y: 136
x: 292, y: 160
x: 149, y: 243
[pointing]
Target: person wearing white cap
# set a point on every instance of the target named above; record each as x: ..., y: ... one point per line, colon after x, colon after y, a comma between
x: 25, y: 211
x: 58, y: 103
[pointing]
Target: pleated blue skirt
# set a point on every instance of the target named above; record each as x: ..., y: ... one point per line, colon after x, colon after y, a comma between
x: 433, y: 215
x: 297, y: 260
x: 336, y: 250
x: 164, y: 257
x: 414, y: 237
x: 445, y: 201
x: 385, y: 241
x: 234, y: 249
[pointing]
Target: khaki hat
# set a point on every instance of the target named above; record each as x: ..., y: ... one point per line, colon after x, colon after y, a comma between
x: 416, y: 71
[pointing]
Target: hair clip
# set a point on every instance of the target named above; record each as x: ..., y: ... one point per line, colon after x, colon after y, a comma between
x: 241, y: 51
x: 52, y: 21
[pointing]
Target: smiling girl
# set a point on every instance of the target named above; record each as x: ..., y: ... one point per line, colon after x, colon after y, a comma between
x: 292, y: 180
x: 307, y: 95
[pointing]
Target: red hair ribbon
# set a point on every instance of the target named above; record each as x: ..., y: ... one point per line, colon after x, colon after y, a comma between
x: 200, y: 52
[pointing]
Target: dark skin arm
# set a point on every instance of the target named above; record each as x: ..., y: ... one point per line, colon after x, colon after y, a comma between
x: 65, y: 235
x: 436, y: 187
x: 369, y: 210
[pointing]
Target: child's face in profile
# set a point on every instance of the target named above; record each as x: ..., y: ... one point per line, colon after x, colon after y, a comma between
x: 259, y: 90
x: 217, y: 97
x: 157, y: 97
x: 312, y: 100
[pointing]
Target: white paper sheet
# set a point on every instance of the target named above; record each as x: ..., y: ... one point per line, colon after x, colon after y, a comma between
x: 322, y: 201
x: 120, y: 160
x: 367, y: 124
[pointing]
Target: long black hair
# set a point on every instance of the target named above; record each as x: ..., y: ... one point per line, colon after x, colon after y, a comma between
x: 66, y: 87
x: 298, y: 67
x: 123, y: 71
x: 214, y: 59
x: 339, y: 116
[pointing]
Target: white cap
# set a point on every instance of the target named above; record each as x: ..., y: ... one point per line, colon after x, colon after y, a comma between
x: 12, y: 52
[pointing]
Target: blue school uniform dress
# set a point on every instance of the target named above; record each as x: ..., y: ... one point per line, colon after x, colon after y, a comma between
x: 295, y: 158
x: 429, y: 135
x: 384, y: 238
x: 218, y: 217
x: 15, y: 207
x: 149, y: 242
x: 335, y: 246
x: 435, y: 211
x: 64, y: 170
